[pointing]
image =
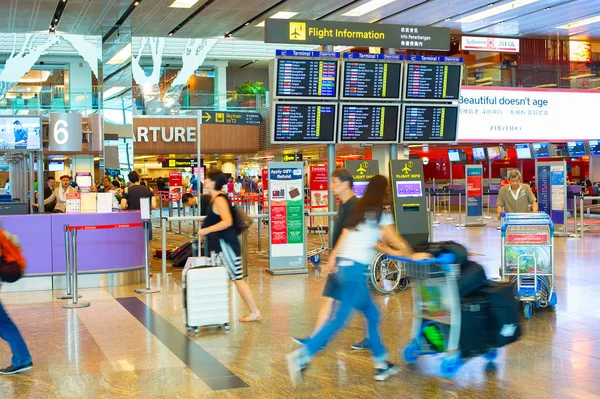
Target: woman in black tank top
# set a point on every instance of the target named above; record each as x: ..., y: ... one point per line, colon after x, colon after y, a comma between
x: 219, y: 229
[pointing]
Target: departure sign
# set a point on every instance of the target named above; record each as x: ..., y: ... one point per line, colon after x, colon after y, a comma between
x: 304, y: 123
x: 434, y: 82
x: 429, y: 123
x: 367, y: 77
x: 369, y: 123
x: 302, y: 78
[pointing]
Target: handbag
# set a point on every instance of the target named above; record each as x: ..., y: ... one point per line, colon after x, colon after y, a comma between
x: 241, y: 220
x: 12, y: 262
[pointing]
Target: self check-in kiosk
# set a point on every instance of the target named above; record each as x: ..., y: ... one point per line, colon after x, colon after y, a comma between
x: 362, y: 172
x: 409, y: 200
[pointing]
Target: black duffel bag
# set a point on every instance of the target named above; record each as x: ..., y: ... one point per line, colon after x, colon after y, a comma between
x: 504, y: 310
x: 444, y: 247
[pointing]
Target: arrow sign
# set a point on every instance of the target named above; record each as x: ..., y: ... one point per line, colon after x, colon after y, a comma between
x: 231, y: 118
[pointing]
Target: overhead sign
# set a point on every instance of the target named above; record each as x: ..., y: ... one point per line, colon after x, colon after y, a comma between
x: 497, y: 44
x: 231, y: 118
x: 179, y: 163
x: 292, y: 157
x: 64, y: 132
x: 521, y: 115
x: 362, y: 172
x: 357, y: 34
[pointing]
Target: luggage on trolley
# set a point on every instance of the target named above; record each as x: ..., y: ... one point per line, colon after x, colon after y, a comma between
x: 314, y: 255
x: 528, y: 259
x: 206, y: 294
x: 459, y: 328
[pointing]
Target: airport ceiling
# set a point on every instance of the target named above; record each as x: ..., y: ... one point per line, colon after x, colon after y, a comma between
x: 216, y: 18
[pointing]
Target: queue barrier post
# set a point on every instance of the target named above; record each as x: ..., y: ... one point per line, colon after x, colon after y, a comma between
x: 68, y: 269
x: 75, y: 304
x: 170, y: 202
x: 245, y: 252
x: 449, y: 208
x: 460, y: 224
x: 581, y: 213
x: 148, y: 290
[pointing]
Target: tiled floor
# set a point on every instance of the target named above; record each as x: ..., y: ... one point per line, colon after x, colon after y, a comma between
x: 105, y: 351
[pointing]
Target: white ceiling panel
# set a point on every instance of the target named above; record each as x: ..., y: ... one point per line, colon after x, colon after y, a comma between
x: 388, y: 9
x: 435, y: 11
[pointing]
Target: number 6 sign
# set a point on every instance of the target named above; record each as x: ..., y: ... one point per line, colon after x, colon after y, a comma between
x: 65, y: 132
x: 61, y: 134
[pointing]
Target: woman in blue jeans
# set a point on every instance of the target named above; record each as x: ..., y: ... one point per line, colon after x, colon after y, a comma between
x: 21, y: 360
x: 353, y: 253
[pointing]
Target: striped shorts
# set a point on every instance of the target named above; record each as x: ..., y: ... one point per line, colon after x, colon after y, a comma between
x: 230, y: 261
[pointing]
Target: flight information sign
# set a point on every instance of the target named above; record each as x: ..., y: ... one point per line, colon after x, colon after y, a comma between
x: 369, y: 123
x: 428, y: 81
x: 372, y: 76
x: 306, y: 78
x: 429, y: 123
x: 304, y: 123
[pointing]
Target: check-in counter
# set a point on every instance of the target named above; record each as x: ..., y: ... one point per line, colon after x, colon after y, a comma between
x: 106, y: 257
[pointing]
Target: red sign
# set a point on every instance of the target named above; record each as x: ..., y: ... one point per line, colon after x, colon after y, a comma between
x: 278, y: 223
x: 106, y: 226
x: 265, y: 180
x: 175, y: 179
x: 528, y: 238
x: 319, y: 180
x: 474, y: 186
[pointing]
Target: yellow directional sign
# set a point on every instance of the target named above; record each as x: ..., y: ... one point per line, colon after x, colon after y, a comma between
x: 231, y: 118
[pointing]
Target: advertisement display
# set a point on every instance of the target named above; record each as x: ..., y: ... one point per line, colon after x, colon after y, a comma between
x: 552, y: 190
x: 362, y: 172
x: 20, y: 132
x: 474, y: 193
x: 175, y: 186
x: 319, y: 198
x: 287, y: 247
x: 495, y: 44
x: 84, y: 181
x: 519, y: 115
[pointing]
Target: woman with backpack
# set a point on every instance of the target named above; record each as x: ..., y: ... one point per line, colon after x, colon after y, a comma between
x: 223, y: 241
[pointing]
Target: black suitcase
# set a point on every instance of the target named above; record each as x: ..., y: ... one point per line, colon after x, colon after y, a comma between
x: 181, y: 254
x: 472, y: 277
x: 476, y: 326
x: 504, y: 308
x: 442, y: 247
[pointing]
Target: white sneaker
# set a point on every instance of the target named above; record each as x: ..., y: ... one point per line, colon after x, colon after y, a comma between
x: 296, y: 367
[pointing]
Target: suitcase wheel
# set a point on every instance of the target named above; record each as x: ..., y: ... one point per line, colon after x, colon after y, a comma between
x: 450, y: 366
x: 527, y: 310
x: 196, y: 330
x: 189, y: 328
x: 226, y: 326
x: 411, y: 352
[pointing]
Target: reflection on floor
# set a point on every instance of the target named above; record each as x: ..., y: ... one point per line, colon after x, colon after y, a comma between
x: 128, y: 346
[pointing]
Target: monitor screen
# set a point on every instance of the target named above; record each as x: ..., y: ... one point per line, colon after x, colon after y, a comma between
x: 56, y: 166
x: 304, y: 123
x: 374, y: 80
x: 20, y: 132
x: 454, y: 155
x: 359, y: 188
x: 523, y: 151
x: 432, y: 82
x: 541, y: 150
x: 494, y: 153
x: 369, y: 123
x: 594, y: 147
x: 298, y: 78
x: 479, y: 154
x: 409, y: 188
x: 577, y: 148
x: 429, y: 123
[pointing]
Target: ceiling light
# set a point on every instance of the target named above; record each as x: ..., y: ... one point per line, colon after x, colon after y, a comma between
x: 123, y: 55
x: 137, y: 3
x: 170, y: 33
x: 496, y: 10
x: 112, y: 91
x: 260, y: 24
x: 284, y: 15
x: 580, y: 23
x: 183, y: 3
x: 367, y: 8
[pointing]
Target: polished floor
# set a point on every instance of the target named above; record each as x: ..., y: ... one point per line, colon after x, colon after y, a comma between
x: 135, y: 346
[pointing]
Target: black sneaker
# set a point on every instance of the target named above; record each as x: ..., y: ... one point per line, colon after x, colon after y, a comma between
x: 296, y: 367
x: 362, y: 345
x: 300, y: 341
x: 382, y: 374
x: 15, y: 369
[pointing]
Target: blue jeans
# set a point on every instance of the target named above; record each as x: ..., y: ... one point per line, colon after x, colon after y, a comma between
x: 10, y: 333
x: 354, y: 294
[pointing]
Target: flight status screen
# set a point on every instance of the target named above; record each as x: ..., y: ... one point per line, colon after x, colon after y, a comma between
x: 430, y: 123
x: 432, y: 82
x: 306, y: 78
x: 372, y: 79
x: 369, y: 123
x: 304, y: 123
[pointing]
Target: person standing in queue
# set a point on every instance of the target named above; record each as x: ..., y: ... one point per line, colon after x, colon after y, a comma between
x: 48, y: 190
x: 60, y: 195
x: 515, y: 197
x: 355, y: 249
x: 342, y: 187
x: 223, y: 241
x: 134, y: 193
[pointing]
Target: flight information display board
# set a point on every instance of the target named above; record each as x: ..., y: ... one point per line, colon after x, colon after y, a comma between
x: 303, y: 123
x: 371, y: 76
x: 306, y: 78
x: 369, y: 123
x: 430, y: 81
x: 429, y: 123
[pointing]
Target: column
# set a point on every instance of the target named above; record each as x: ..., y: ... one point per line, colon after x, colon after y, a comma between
x: 221, y: 87
x: 80, y: 85
x: 83, y: 163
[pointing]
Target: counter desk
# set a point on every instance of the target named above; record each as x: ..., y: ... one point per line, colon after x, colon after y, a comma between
x: 106, y: 257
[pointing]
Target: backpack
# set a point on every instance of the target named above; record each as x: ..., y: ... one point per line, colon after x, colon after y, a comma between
x: 12, y: 262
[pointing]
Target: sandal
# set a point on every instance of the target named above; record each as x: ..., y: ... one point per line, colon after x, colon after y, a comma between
x: 251, y: 317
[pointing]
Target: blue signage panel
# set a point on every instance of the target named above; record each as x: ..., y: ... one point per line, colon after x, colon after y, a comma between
x: 544, y: 188
x: 474, y: 191
x: 369, y: 56
x: 307, y: 53
x: 433, y: 58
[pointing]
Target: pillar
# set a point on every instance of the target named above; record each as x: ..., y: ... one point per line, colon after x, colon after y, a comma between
x: 221, y: 87
x: 82, y: 164
x: 80, y: 85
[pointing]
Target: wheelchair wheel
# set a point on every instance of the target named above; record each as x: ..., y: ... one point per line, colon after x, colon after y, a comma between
x: 385, y: 274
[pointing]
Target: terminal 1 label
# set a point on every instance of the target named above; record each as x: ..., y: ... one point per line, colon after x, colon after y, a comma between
x: 231, y: 118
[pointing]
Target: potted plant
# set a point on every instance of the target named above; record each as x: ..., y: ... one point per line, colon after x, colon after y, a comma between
x: 248, y: 92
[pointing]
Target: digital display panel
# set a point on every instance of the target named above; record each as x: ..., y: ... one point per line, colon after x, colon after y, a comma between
x: 20, y: 132
x: 494, y: 153
x: 479, y: 154
x: 304, y: 123
x: 369, y: 123
x: 429, y: 123
x: 454, y: 155
x: 541, y: 150
x: 432, y: 82
x: 594, y: 147
x: 523, y: 151
x: 409, y: 188
x: 359, y: 188
x: 298, y: 78
x: 56, y: 166
x: 577, y: 148
x: 375, y: 80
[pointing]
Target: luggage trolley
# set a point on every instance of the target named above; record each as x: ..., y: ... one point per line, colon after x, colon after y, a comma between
x: 436, y: 302
x: 528, y: 259
x: 386, y: 274
x: 314, y: 255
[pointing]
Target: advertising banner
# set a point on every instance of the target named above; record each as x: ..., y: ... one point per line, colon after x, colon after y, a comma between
x: 362, y: 172
x: 175, y: 186
x: 552, y: 190
x: 474, y: 194
x: 265, y: 180
x: 496, y: 44
x: 519, y: 115
x: 287, y: 247
x: 319, y: 198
